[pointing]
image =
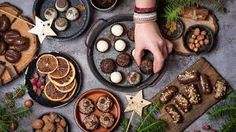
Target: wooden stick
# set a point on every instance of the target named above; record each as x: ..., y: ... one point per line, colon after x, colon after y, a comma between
x: 17, y: 17
x: 130, y: 119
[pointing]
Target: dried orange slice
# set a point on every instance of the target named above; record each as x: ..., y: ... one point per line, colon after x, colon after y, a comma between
x: 52, y: 93
x: 70, y: 94
x: 47, y: 63
x: 68, y: 88
x: 65, y: 80
x: 62, y: 69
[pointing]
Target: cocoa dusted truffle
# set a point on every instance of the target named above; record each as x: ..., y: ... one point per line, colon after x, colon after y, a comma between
x: 123, y: 59
x: 134, y: 78
x: 107, y: 65
x: 10, y: 36
x: 146, y: 66
x: 106, y: 120
x: 12, y: 56
x: 3, y: 48
x: 4, y: 23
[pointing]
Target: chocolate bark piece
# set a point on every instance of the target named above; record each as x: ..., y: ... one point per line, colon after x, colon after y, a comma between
x: 188, y: 77
x: 3, y: 47
x: 181, y: 102
x: 167, y: 94
x: 10, y: 36
x: 205, y: 84
x: 12, y: 56
x: 192, y: 94
x: 174, y: 113
x: 220, y: 89
x: 4, y: 23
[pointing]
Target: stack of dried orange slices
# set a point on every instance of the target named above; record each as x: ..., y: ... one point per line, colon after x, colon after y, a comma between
x: 62, y: 83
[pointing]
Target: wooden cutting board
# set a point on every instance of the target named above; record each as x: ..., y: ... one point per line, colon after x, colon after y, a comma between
x: 22, y: 27
x: 202, y: 66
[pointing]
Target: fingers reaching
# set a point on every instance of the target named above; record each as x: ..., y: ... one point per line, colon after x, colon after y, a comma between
x: 169, y: 46
x: 138, y: 55
x: 158, y: 59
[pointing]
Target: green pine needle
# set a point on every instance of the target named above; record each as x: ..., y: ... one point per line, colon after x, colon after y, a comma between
x: 230, y: 126
x: 124, y: 124
x: 223, y: 110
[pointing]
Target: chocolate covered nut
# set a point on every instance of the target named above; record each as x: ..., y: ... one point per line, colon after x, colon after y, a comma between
x: 192, y: 94
x: 3, y: 48
x: 205, y: 84
x: 20, y: 44
x: 174, y: 113
x: 10, y: 36
x: 187, y: 77
x: 220, y: 89
x: 167, y: 94
x: 182, y: 102
x: 12, y: 56
x: 146, y: 66
x: 4, y: 23
x: 123, y: 59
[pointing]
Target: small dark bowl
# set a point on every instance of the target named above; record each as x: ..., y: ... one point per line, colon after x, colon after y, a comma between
x: 210, y: 36
x: 97, y: 5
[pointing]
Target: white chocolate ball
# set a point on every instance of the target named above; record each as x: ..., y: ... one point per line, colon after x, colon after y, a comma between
x: 72, y: 14
x: 102, y: 46
x: 120, y: 45
x: 116, y: 77
x: 117, y: 30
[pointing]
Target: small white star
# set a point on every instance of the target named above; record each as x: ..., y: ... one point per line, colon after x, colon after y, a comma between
x: 42, y: 29
x: 136, y: 103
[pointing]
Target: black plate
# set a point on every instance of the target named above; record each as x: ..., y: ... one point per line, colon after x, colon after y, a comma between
x: 62, y: 117
x: 210, y: 36
x: 102, y: 30
x: 42, y: 99
x: 75, y: 28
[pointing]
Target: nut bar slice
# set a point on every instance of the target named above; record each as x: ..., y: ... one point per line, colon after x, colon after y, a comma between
x: 205, y: 84
x: 220, y: 89
x: 187, y: 77
x: 167, y: 94
x: 192, y: 94
x: 182, y: 103
x: 174, y: 113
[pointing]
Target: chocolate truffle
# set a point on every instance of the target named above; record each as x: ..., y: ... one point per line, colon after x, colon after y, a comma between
x: 123, y: 59
x: 116, y: 77
x: 10, y: 36
x: 107, y: 65
x: 134, y: 78
x: 102, y: 45
x: 20, y: 44
x: 4, y: 23
x: 72, y: 14
x: 120, y: 45
x: 61, y: 5
x: 106, y: 120
x: 3, y: 48
x: 86, y: 106
x: 117, y: 30
x: 91, y: 122
x: 131, y: 34
x: 104, y: 104
x: 146, y: 66
x: 50, y: 13
x: 12, y: 56
x: 61, y: 24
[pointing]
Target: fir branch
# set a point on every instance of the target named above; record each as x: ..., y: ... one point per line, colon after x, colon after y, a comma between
x: 124, y: 124
x: 228, y: 110
x: 18, y: 113
x: 230, y: 126
x: 157, y: 126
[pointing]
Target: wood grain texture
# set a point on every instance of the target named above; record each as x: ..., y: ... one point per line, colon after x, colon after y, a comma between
x: 202, y: 66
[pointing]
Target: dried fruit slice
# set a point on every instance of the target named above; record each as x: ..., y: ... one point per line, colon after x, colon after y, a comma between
x: 70, y: 94
x: 47, y: 63
x: 68, y: 88
x: 52, y: 93
x: 62, y: 69
x: 66, y: 80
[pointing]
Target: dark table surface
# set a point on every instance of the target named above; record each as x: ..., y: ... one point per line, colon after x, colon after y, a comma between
x: 223, y: 58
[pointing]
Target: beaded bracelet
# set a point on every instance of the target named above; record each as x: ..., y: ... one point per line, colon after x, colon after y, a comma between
x: 143, y: 18
x: 145, y: 10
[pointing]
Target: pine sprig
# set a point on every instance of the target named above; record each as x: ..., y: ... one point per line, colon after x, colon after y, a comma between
x: 230, y: 126
x: 222, y: 111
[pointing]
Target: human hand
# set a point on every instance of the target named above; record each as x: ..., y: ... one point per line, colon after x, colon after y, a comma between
x: 148, y: 37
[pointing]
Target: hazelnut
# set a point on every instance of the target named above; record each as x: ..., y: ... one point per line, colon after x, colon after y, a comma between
x: 201, y: 42
x: 28, y: 103
x: 12, y: 56
x: 52, y: 117
x: 196, y: 31
x: 63, y: 123
x: 191, y: 40
x: 37, y: 124
x: 197, y: 45
x: 196, y: 41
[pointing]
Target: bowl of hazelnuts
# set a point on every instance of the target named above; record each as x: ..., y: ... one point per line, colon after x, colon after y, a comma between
x: 198, y: 39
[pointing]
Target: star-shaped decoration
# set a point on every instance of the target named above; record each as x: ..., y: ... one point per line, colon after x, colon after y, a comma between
x: 136, y: 103
x: 42, y: 29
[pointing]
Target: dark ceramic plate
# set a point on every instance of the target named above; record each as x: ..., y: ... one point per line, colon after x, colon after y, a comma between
x: 210, y: 36
x: 75, y: 28
x: 62, y: 117
x: 42, y: 99
x: 102, y: 30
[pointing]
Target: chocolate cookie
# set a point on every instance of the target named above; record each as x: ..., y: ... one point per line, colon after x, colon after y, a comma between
x: 4, y: 23
x: 91, y: 122
x: 86, y: 106
x: 10, y: 36
x: 106, y: 120
x: 123, y: 59
x: 104, y: 104
x: 146, y: 66
x: 3, y: 48
x: 12, y: 56
x: 107, y: 65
